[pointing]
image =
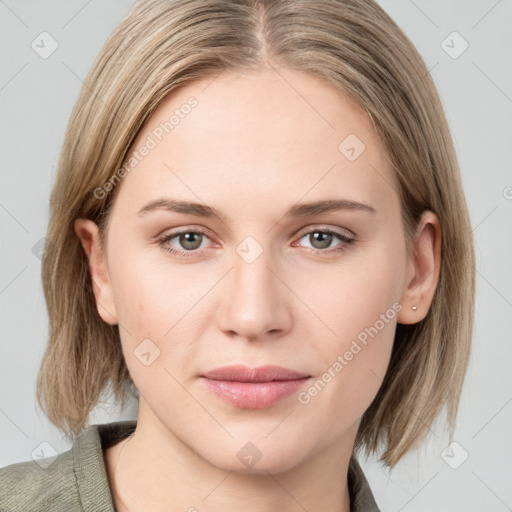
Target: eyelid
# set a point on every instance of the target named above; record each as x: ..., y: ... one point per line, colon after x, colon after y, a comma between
x: 346, y: 233
x: 166, y: 237
x: 304, y: 231
x: 172, y: 232
x: 345, y: 236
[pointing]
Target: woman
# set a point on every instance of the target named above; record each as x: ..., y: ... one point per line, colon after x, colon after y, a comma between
x: 258, y: 229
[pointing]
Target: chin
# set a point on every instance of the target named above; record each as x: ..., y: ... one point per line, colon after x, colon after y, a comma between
x: 256, y: 459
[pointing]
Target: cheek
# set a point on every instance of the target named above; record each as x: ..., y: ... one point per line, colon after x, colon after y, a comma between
x: 352, y: 294
x: 360, y: 307
x: 352, y: 372
x: 150, y: 295
x: 161, y: 309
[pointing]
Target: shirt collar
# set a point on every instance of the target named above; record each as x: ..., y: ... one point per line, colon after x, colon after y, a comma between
x: 361, y: 496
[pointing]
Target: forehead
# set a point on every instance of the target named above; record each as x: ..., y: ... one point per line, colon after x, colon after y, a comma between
x: 282, y: 133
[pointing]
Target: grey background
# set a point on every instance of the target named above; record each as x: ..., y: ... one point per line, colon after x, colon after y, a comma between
x: 36, y: 97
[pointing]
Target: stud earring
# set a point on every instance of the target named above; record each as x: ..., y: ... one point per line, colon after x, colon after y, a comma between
x: 414, y: 308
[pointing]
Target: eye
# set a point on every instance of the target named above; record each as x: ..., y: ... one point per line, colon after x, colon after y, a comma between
x: 321, y: 239
x: 189, y: 240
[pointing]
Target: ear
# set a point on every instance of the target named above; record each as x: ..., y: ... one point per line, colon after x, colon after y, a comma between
x: 88, y: 233
x: 424, y: 265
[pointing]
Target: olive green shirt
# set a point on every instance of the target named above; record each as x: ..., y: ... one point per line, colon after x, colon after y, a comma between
x: 76, y: 480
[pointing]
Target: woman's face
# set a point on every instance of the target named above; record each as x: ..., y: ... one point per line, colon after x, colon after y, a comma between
x: 260, y: 276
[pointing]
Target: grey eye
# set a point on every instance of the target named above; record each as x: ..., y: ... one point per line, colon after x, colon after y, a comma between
x: 191, y: 240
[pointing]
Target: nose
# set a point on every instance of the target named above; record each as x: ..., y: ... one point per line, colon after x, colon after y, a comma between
x: 255, y: 303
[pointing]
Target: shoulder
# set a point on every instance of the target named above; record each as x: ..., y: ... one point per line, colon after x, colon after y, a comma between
x: 39, y: 485
x: 75, y: 480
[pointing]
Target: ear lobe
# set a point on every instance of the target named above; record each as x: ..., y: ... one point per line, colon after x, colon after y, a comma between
x: 88, y: 233
x: 425, y: 264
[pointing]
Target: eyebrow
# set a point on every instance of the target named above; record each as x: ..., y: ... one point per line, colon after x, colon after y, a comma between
x: 298, y: 210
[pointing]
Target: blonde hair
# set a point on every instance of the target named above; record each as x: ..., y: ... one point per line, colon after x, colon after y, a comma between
x: 163, y: 44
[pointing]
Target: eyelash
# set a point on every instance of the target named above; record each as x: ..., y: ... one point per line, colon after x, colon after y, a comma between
x: 162, y: 242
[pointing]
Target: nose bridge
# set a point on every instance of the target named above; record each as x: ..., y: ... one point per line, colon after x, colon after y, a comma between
x: 254, y: 301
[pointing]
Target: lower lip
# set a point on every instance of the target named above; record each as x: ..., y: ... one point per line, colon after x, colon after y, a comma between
x: 254, y: 395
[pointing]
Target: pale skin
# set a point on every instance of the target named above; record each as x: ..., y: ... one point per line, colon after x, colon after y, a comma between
x: 252, y: 148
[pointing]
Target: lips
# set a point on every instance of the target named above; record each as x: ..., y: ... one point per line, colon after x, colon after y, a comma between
x: 255, y: 388
x: 241, y: 373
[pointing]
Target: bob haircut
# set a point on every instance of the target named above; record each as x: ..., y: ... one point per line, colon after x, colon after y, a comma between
x: 161, y: 45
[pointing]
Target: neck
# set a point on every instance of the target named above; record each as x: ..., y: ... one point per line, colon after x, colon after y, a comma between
x: 154, y: 470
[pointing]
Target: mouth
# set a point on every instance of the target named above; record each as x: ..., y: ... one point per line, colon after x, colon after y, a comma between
x: 256, y: 388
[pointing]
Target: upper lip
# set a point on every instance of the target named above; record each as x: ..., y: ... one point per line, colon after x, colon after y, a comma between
x: 240, y: 373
